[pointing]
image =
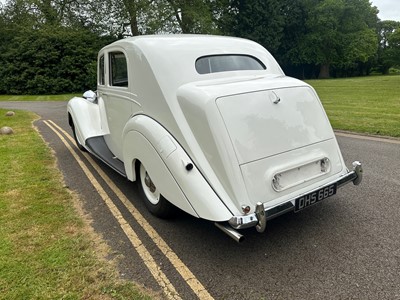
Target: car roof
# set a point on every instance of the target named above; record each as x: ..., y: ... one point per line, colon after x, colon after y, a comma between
x: 176, y: 55
x: 187, y: 42
x: 175, y: 48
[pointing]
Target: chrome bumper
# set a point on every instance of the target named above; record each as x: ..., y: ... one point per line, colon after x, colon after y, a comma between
x: 261, y: 215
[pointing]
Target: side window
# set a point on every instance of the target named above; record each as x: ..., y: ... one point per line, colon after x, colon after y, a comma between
x: 118, y: 69
x: 102, y: 74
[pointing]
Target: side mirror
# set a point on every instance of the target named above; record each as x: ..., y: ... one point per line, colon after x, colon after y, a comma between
x: 90, y: 95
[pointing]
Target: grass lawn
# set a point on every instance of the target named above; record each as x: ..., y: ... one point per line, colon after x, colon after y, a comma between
x: 63, y: 97
x: 362, y: 104
x: 47, y: 248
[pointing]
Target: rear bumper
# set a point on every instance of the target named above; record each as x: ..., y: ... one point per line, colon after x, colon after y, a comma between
x: 262, y: 215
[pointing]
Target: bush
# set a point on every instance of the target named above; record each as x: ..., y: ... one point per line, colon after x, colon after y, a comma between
x: 394, y: 70
x: 49, y: 61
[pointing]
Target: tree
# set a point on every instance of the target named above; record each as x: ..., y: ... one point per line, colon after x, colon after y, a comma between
x: 194, y: 16
x: 389, y: 46
x: 289, y: 54
x: 258, y: 20
x: 50, y: 61
x: 339, y: 33
x: 394, y: 47
x: 131, y: 9
x: 43, y: 50
x: 171, y: 16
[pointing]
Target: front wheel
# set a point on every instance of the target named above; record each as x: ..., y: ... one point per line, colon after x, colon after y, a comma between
x: 154, y: 201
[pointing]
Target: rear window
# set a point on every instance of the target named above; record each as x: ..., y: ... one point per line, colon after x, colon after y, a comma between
x: 224, y: 63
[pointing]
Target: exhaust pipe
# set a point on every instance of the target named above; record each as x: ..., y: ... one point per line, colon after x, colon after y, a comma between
x: 230, y: 232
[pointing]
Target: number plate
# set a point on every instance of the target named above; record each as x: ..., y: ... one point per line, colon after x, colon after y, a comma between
x: 314, y: 197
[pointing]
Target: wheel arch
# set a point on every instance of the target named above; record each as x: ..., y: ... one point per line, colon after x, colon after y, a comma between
x: 70, y: 121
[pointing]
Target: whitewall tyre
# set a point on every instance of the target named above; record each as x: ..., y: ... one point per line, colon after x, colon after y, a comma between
x: 154, y: 201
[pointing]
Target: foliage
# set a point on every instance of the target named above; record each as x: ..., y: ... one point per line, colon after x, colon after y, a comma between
x: 50, y: 60
x: 394, y: 47
x: 389, y: 46
x: 47, y: 47
x: 193, y: 16
x: 258, y: 20
x: 338, y: 33
x: 168, y: 16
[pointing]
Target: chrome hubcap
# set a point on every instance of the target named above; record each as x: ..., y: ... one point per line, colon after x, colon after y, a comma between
x: 149, y: 183
x: 149, y: 188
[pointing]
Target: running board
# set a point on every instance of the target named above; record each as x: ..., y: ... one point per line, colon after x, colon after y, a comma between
x: 98, y: 147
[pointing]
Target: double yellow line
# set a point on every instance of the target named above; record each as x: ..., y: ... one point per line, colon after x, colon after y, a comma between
x: 167, y: 287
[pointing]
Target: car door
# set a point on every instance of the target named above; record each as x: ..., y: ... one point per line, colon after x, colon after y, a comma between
x: 116, y: 99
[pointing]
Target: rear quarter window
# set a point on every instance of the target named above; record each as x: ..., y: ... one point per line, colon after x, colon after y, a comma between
x: 118, y: 69
x: 225, y: 63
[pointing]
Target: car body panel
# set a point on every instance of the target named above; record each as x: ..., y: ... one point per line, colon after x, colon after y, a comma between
x: 298, y: 116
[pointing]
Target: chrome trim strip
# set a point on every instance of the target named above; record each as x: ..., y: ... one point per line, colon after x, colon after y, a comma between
x: 259, y: 220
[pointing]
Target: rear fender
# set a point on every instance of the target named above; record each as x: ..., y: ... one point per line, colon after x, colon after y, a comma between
x: 170, y: 168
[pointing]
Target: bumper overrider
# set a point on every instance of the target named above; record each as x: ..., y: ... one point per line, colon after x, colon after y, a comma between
x: 261, y: 215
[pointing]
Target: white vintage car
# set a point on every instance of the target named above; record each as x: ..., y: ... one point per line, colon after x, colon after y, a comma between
x: 210, y: 125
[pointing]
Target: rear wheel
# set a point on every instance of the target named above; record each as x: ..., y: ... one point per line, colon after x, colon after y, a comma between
x: 154, y: 201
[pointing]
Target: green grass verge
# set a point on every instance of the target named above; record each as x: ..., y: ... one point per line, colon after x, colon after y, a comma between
x: 363, y: 104
x: 64, y: 97
x: 47, y: 249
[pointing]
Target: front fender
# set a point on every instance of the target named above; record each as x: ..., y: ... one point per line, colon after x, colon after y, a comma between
x: 85, y: 117
x: 171, y: 169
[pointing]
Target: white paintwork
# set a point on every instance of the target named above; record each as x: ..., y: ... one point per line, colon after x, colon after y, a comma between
x: 258, y: 175
x: 296, y: 121
x: 165, y: 161
x: 86, y: 117
x: 239, y: 129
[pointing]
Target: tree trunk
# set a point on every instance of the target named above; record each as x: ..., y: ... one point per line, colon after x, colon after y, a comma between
x: 134, y: 25
x: 132, y: 8
x: 385, y: 70
x: 324, y: 71
x: 181, y: 15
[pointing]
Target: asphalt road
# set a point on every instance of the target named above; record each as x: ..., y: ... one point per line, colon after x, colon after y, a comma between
x: 347, y: 247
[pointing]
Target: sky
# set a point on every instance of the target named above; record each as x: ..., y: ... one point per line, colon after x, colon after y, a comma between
x: 388, y: 9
